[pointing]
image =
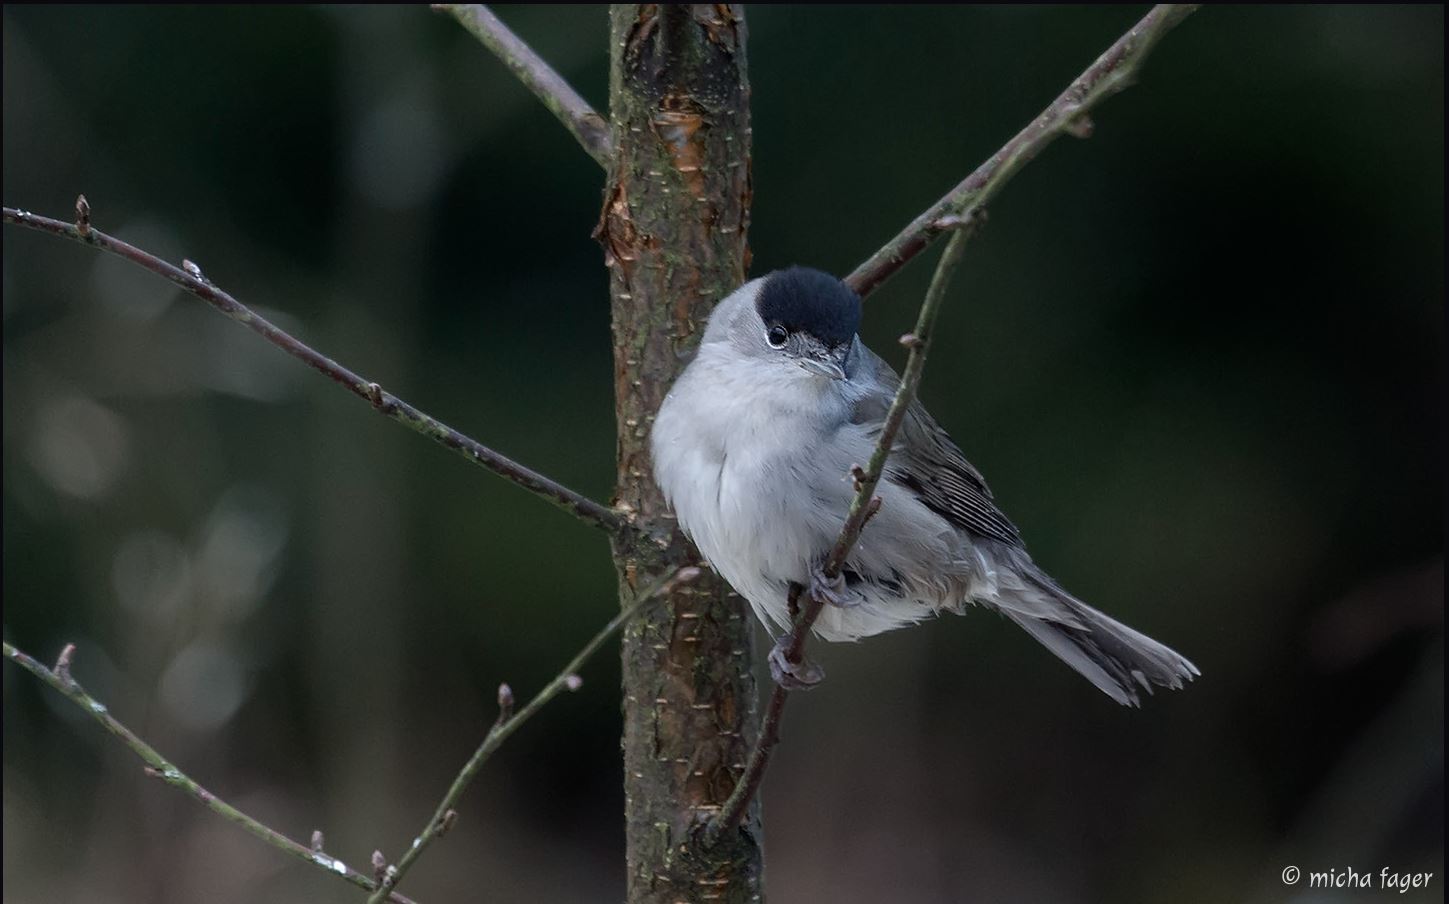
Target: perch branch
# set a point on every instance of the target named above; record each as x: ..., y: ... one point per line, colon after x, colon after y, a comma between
x: 1113, y: 71
x: 589, y: 128
x: 444, y: 816
x: 190, y: 278
x: 159, y: 767
x: 865, y: 504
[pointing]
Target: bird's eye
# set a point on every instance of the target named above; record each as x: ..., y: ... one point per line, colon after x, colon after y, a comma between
x: 777, y: 336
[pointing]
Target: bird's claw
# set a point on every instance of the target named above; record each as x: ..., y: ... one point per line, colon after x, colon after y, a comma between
x: 832, y: 590
x: 793, y: 676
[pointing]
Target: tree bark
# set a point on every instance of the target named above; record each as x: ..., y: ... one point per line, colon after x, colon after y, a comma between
x: 673, y: 228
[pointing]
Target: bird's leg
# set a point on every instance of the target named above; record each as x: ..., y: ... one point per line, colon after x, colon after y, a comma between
x: 831, y: 590
x: 792, y: 676
x: 794, y: 672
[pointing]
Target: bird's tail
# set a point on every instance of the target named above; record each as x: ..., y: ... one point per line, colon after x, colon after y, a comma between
x: 1117, y: 659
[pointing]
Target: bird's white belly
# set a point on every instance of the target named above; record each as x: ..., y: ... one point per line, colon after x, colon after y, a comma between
x: 765, y: 504
x: 752, y: 522
x: 768, y: 527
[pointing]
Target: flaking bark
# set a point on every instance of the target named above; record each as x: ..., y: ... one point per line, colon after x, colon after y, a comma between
x: 673, y: 229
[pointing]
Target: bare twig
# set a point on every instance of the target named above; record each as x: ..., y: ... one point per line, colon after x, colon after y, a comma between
x: 865, y: 504
x: 192, y: 281
x: 159, y: 767
x: 591, y: 129
x: 1068, y: 115
x: 507, y: 722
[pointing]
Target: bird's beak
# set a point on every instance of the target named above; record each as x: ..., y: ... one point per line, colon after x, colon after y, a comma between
x: 832, y: 367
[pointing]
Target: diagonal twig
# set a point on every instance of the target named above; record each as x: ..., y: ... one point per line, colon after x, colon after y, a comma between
x: 159, y: 767
x: 958, y: 212
x: 568, y: 679
x: 1113, y: 71
x: 190, y: 278
x: 589, y: 128
x: 865, y: 504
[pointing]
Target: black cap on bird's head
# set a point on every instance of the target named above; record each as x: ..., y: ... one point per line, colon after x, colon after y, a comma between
x: 804, y: 300
x: 812, y: 316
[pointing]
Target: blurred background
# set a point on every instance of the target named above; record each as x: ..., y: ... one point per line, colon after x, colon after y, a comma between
x: 1199, y: 357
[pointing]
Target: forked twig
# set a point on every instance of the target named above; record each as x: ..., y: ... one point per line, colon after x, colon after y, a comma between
x: 567, y: 680
x: 862, y: 508
x: 159, y: 767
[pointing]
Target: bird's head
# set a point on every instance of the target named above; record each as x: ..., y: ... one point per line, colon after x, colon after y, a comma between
x: 797, y: 318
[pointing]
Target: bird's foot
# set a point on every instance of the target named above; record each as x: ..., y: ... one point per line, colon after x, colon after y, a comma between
x: 832, y: 590
x: 792, y: 676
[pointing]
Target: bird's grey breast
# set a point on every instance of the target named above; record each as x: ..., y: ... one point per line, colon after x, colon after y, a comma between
x: 763, y: 493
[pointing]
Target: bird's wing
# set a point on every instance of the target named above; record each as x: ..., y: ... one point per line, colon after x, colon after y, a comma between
x: 926, y: 462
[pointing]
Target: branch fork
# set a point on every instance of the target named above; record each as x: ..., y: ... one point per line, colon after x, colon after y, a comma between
x: 445, y: 815
x: 791, y: 648
x: 385, y: 876
x: 960, y: 213
x: 158, y: 767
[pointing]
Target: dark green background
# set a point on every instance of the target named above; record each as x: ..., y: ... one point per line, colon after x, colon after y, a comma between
x: 1200, y: 358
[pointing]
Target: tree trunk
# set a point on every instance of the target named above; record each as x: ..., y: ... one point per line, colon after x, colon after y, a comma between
x: 673, y: 228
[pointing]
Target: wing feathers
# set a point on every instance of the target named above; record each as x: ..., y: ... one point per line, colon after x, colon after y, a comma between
x: 927, y: 463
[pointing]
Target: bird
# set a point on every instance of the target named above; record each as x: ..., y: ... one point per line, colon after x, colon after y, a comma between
x: 753, y: 449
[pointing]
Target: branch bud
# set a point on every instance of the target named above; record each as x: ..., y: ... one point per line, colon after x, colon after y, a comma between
x: 871, y: 508
x: 82, y: 216
x: 505, y: 703
x: 62, y: 665
x: 1079, y: 126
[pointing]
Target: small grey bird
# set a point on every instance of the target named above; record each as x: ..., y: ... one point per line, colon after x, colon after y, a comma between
x: 753, y: 449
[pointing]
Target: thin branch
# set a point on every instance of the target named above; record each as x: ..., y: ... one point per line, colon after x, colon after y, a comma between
x: 865, y: 504
x: 589, y: 128
x: 190, y: 278
x: 1068, y: 115
x: 159, y: 767
x: 566, y: 680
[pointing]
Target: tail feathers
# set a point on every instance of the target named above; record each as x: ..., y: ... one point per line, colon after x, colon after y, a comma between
x: 1117, y: 659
